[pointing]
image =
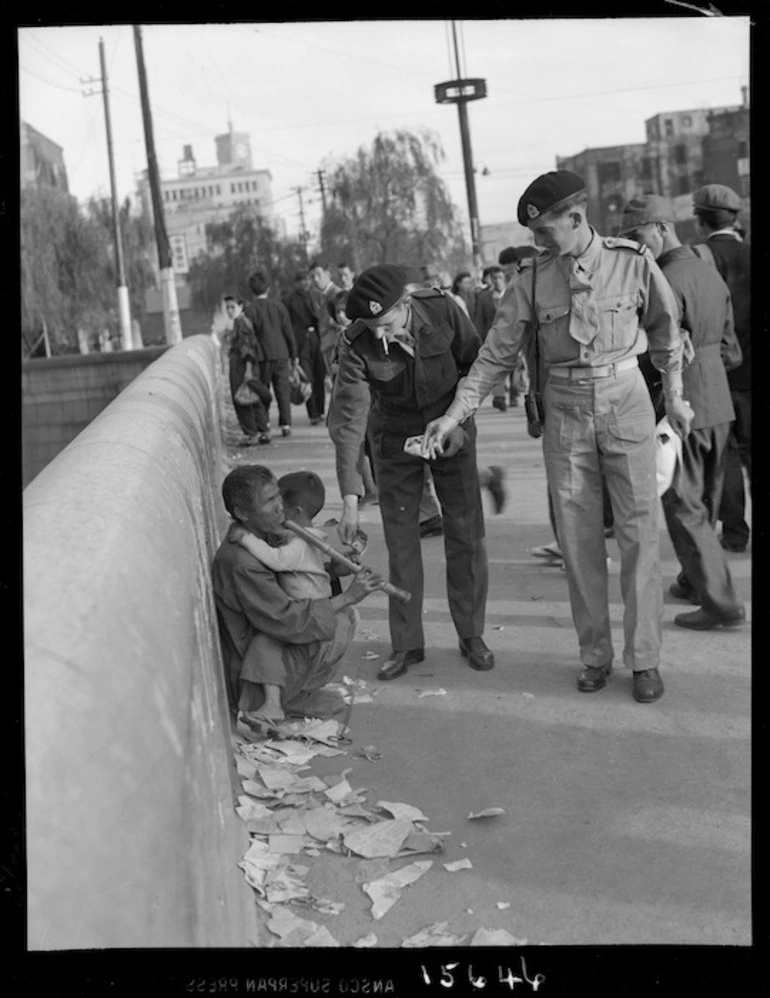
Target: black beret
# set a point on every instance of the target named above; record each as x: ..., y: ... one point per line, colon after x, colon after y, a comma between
x: 547, y: 192
x: 375, y: 291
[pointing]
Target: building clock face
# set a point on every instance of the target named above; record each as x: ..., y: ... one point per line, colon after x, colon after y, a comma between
x: 241, y: 150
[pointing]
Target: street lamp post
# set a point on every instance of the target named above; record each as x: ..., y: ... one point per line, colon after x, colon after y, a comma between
x: 459, y: 92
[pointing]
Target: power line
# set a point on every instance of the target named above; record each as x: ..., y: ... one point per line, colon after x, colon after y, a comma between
x: 50, y: 83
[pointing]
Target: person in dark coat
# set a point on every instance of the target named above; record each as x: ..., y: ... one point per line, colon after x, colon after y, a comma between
x: 716, y: 208
x: 244, y: 350
x: 691, y: 504
x: 305, y: 324
x: 272, y: 327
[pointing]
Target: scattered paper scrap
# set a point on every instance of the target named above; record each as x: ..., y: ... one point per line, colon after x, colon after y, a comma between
x: 529, y: 696
x: 275, y: 777
x: 495, y: 937
x: 422, y: 842
x: 371, y: 869
x: 321, y: 937
x: 312, y: 852
x: 490, y: 812
x: 459, y: 864
x: 244, y: 768
x: 370, y: 656
x: 366, y: 942
x: 339, y: 791
x: 256, y: 790
x: 284, y: 923
x: 385, y: 892
x: 402, y: 810
x: 369, y: 635
x: 498, y: 627
x: 502, y: 905
x: 323, y: 824
x: 431, y: 693
x: 294, y: 752
x: 463, y: 845
x: 249, y: 809
x: 434, y: 935
x: 369, y: 752
x: 286, y: 843
x: 385, y: 838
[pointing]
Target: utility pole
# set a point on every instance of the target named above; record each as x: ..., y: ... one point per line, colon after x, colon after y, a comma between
x: 302, y: 229
x: 460, y: 91
x: 323, y: 189
x: 124, y: 307
x: 171, y: 323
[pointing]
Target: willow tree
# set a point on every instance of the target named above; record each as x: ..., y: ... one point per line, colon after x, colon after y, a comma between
x: 389, y: 205
x: 234, y: 247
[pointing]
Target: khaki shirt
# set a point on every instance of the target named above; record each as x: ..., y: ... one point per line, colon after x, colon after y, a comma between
x: 607, y: 305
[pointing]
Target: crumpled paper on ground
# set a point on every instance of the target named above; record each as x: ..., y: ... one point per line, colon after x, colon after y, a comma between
x: 434, y: 935
x: 459, y: 864
x: 431, y: 693
x: 369, y: 752
x: 490, y: 812
x: 383, y: 839
x: 398, y: 810
x: 386, y: 891
x: 366, y: 942
x: 495, y: 937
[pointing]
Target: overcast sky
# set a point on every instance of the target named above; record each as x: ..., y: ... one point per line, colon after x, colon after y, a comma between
x: 307, y: 91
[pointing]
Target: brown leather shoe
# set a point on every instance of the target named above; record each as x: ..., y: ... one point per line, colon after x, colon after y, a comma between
x: 648, y: 686
x: 593, y: 679
x: 399, y: 662
x: 699, y: 620
x: 478, y: 655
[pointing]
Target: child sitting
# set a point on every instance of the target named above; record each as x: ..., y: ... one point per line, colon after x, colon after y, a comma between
x: 302, y: 572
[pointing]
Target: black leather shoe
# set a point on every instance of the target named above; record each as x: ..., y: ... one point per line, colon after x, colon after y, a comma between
x: 478, y: 655
x: 679, y: 591
x: 648, y: 686
x: 500, y: 403
x: 434, y: 527
x: 592, y: 679
x: 399, y: 662
x: 699, y: 620
x: 496, y: 487
x: 734, y: 546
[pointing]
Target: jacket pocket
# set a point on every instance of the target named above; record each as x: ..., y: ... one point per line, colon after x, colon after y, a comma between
x: 619, y: 317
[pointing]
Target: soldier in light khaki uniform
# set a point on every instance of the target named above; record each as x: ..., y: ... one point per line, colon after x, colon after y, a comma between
x: 600, y: 302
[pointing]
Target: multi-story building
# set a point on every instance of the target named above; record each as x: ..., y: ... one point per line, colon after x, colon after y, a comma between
x: 42, y: 161
x: 200, y: 195
x: 683, y: 151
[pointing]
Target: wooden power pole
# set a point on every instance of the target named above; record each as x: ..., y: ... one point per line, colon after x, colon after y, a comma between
x: 171, y: 323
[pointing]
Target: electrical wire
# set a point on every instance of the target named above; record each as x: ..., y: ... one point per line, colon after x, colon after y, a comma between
x: 58, y: 86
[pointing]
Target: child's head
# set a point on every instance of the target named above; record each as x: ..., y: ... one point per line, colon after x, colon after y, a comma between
x: 233, y: 306
x: 337, y: 308
x: 303, y: 494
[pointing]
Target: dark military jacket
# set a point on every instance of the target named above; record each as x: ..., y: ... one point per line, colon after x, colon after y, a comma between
x: 406, y: 392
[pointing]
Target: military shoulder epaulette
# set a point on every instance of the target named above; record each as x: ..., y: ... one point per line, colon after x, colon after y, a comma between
x: 353, y: 331
x: 427, y: 293
x: 618, y: 242
x: 525, y: 264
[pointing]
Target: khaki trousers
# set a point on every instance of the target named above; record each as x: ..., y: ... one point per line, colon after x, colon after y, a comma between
x: 598, y: 430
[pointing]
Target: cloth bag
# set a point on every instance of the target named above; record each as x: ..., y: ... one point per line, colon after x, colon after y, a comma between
x: 301, y: 389
x: 668, y: 454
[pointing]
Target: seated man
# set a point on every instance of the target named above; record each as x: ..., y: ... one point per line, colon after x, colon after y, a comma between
x: 277, y: 651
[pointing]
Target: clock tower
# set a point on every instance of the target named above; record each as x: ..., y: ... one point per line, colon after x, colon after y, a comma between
x: 234, y: 149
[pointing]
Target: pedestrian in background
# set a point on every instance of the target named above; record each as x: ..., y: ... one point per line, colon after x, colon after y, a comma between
x: 411, y: 350
x: 595, y: 304
x: 691, y: 504
x: 244, y: 354
x: 304, y: 322
x: 272, y: 328
x: 716, y: 208
x: 323, y: 290
x: 347, y: 275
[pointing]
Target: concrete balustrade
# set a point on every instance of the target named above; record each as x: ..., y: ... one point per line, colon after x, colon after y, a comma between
x: 132, y: 840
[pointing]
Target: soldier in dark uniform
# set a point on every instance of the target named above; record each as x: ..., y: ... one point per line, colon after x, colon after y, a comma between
x: 411, y: 350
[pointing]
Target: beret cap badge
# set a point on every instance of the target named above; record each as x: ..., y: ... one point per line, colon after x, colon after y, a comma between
x: 375, y: 308
x: 532, y: 211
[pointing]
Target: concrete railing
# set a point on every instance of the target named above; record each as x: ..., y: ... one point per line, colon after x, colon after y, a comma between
x: 132, y: 840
